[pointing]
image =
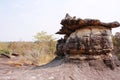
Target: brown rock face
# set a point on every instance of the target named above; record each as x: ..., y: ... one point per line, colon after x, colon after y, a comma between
x: 72, y: 24
x: 91, y: 40
x: 85, y: 39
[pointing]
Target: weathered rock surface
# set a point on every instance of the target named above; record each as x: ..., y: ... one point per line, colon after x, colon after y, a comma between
x: 86, y: 39
x: 70, y: 24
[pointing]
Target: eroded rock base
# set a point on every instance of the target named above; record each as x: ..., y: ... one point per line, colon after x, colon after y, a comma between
x: 108, y: 60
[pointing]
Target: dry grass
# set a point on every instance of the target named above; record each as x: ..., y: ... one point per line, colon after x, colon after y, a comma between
x: 39, y: 56
x: 33, y: 53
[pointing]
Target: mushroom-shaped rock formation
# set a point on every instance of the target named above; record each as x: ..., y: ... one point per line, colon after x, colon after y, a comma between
x: 85, y: 39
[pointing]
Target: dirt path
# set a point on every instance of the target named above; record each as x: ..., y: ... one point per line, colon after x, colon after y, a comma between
x: 59, y: 70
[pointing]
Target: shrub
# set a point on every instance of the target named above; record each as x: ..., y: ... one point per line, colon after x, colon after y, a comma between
x: 116, y: 42
x: 5, y: 51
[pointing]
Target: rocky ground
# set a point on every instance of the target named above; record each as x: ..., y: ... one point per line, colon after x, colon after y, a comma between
x: 58, y: 69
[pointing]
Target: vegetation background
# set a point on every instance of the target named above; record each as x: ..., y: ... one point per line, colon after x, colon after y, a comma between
x: 39, y: 52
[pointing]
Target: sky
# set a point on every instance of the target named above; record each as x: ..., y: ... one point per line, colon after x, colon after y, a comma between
x: 20, y: 20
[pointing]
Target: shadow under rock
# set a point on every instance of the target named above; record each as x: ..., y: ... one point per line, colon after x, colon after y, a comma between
x: 56, y: 62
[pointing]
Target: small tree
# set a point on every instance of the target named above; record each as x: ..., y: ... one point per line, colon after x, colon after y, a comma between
x: 46, y: 46
x: 43, y: 37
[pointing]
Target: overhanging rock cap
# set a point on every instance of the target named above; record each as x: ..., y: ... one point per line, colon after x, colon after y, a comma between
x: 71, y: 24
